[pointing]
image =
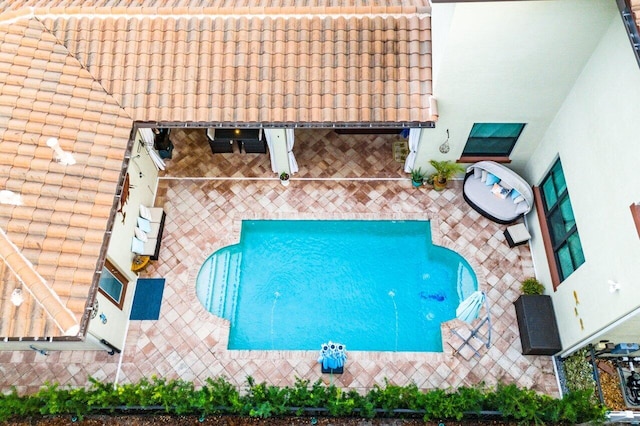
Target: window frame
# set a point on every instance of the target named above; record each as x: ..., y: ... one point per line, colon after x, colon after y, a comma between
x: 502, y: 157
x: 544, y: 214
x: 120, y: 277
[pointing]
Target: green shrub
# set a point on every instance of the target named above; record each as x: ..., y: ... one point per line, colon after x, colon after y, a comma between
x: 218, y: 396
x: 532, y: 286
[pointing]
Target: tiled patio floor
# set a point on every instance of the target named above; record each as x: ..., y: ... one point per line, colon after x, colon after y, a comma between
x: 204, y: 211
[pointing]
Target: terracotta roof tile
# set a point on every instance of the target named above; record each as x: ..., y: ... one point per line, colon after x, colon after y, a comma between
x: 635, y: 9
x: 65, y: 208
x: 95, y: 68
x: 286, y: 53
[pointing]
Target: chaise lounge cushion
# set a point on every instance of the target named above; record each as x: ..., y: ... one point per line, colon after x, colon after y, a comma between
x: 480, y: 197
x: 151, y: 225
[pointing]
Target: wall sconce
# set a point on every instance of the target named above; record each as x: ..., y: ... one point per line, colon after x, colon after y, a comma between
x: 613, y: 286
x: 444, y: 148
x: 61, y: 156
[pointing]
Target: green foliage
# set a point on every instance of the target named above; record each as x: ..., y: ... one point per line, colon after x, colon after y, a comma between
x: 445, y: 169
x: 417, y: 175
x: 532, y: 286
x: 218, y: 396
x: 579, y: 374
x: 516, y: 403
x: 266, y: 401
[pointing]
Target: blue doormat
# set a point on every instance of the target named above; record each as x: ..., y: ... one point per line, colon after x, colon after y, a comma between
x: 147, y: 299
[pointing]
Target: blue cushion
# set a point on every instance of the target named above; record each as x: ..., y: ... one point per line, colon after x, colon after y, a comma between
x: 144, y: 224
x: 491, y: 179
x: 137, y: 246
x: 514, y: 194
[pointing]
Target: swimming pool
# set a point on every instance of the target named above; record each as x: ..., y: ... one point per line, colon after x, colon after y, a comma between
x: 371, y: 285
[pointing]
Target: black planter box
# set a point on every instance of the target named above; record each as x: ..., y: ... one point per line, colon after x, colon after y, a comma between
x: 537, y: 325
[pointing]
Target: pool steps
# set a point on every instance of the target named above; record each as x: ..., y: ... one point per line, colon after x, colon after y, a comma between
x: 222, y: 270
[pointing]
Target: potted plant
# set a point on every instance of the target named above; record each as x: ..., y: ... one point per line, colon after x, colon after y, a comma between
x: 531, y: 286
x: 445, y: 170
x: 284, y: 178
x: 536, y: 320
x: 417, y: 177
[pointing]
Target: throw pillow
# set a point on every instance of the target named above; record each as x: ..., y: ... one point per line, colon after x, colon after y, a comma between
x: 505, y: 185
x: 521, y: 208
x: 492, y: 179
x: 144, y: 224
x: 515, y: 194
x: 477, y: 173
x: 137, y: 246
x: 518, y: 199
x: 484, y: 176
x: 499, y: 191
x: 145, y: 212
x: 141, y: 235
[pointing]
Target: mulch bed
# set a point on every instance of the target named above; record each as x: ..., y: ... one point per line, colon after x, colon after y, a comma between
x: 610, y: 385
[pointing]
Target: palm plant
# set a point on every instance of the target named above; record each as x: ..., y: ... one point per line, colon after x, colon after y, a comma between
x: 445, y: 170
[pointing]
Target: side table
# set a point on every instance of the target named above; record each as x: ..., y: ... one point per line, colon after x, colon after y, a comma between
x: 139, y: 262
x: 517, y: 235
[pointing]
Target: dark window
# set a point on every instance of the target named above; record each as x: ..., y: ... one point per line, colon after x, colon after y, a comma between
x: 563, y: 232
x: 113, y: 284
x: 492, y: 139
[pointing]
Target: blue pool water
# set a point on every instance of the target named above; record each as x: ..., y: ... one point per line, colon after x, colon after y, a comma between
x: 371, y: 285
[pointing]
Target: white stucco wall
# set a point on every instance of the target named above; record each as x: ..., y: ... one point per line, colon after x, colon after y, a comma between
x: 596, y: 134
x: 142, y: 191
x: 508, y: 62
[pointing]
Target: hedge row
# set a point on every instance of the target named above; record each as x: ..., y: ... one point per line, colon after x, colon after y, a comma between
x: 218, y: 396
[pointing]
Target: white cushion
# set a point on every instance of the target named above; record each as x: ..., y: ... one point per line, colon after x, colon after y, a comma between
x: 145, y: 212
x: 144, y: 224
x: 484, y: 176
x: 518, y: 199
x: 156, y: 214
x: 137, y: 246
x: 521, y: 208
x: 150, y: 246
x: 140, y: 234
x: 518, y: 232
x: 477, y: 173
